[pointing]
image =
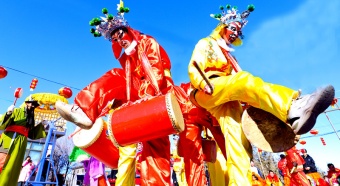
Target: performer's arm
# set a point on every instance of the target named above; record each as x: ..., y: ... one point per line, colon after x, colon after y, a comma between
x: 198, y: 55
x: 6, y: 118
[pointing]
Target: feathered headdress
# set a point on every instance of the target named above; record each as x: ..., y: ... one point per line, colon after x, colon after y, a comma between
x: 231, y: 15
x: 105, y: 25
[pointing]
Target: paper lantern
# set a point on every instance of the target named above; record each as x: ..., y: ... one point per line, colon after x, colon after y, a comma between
x: 314, y: 131
x: 33, y: 84
x: 65, y: 91
x: 303, y: 142
x: 3, y: 72
x: 323, y: 141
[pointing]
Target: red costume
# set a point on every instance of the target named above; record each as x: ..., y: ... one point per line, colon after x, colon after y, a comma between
x: 295, y: 165
x: 282, y: 165
x: 145, y: 72
x: 190, y: 140
x: 144, y: 75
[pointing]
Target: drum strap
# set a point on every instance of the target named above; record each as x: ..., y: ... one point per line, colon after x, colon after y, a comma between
x: 128, y: 78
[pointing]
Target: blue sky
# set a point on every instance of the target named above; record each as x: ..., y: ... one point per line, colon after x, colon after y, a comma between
x: 293, y: 43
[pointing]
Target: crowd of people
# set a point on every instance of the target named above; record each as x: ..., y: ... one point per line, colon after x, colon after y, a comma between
x: 297, y: 168
x: 214, y: 100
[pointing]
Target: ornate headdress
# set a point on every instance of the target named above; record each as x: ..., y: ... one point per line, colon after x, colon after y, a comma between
x: 105, y: 25
x: 231, y: 15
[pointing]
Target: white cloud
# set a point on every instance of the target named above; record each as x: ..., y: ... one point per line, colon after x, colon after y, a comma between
x: 297, y: 49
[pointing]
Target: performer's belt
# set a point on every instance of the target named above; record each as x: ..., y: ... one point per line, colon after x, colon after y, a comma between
x: 19, y: 129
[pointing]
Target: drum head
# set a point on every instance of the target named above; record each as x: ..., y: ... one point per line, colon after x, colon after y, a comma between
x: 86, y: 137
x: 174, y: 112
x: 266, y: 131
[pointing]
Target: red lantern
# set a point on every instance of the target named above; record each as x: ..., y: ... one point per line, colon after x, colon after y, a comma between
x: 303, y: 142
x: 17, y: 94
x: 335, y: 101
x: 3, y: 72
x: 314, y: 131
x: 323, y: 141
x: 65, y: 91
x: 33, y: 84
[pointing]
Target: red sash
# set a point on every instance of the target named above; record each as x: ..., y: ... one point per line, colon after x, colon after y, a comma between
x: 19, y: 129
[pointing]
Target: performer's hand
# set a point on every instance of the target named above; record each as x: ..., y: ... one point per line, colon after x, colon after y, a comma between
x: 10, y: 109
x: 208, y: 90
x: 307, y: 168
x: 295, y: 164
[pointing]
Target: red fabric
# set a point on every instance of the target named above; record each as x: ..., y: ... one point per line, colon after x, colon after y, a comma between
x: 282, y: 165
x: 298, y: 177
x: 273, y: 179
x: 330, y: 173
x: 94, y: 98
x: 155, y: 165
x: 102, y: 181
x: 19, y: 129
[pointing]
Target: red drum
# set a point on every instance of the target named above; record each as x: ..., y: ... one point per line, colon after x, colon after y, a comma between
x: 95, y: 142
x: 144, y: 121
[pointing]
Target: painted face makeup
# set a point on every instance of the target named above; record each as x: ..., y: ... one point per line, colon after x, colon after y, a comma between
x: 122, y: 38
x: 233, y: 31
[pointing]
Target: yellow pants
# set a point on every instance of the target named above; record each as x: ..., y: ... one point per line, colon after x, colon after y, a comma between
x: 224, y: 105
x: 126, y: 166
x: 218, y: 170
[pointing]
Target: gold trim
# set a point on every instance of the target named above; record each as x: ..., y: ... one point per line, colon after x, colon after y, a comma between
x: 167, y: 73
x: 95, y: 138
x: 111, y: 135
x: 171, y: 113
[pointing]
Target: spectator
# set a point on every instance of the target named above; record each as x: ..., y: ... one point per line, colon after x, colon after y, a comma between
x: 257, y: 180
x: 26, y: 170
x: 255, y: 170
x: 272, y: 179
x: 332, y: 170
x: 309, y: 167
x: 282, y: 165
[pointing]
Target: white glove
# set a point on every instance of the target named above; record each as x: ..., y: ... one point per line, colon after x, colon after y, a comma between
x: 10, y: 109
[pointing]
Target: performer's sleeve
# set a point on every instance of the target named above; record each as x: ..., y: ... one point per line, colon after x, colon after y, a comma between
x: 152, y: 50
x: 199, y: 56
x: 5, y: 119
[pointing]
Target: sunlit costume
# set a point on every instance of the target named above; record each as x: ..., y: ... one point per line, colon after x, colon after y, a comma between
x: 282, y: 165
x: 146, y: 73
x: 222, y: 96
x: 272, y: 179
x: 18, y: 124
x: 190, y: 143
x: 295, y: 165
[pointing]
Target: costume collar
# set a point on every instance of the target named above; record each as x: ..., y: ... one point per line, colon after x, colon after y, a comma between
x: 131, y: 49
x: 221, y: 42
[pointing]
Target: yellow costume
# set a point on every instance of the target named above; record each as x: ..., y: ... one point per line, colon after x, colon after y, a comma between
x: 126, y: 166
x: 218, y: 170
x: 224, y: 103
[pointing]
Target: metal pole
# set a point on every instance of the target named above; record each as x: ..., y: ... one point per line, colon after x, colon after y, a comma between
x: 332, y: 126
x: 48, y: 138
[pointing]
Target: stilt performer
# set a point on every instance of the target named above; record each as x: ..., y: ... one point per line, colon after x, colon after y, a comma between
x: 223, y: 100
x: 18, y: 124
x: 145, y: 74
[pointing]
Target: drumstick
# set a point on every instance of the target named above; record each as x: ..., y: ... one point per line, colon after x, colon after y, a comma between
x: 203, y: 76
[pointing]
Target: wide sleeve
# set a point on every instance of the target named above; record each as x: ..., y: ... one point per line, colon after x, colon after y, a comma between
x: 199, y: 56
x: 5, y: 119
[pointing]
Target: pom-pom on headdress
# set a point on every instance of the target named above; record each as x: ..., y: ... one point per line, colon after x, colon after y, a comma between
x: 105, y: 25
x: 231, y: 15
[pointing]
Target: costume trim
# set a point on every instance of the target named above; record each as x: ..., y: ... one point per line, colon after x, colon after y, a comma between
x: 111, y: 135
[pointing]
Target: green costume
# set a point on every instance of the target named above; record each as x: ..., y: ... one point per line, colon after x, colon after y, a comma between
x: 16, y: 152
